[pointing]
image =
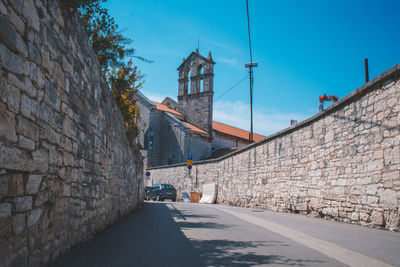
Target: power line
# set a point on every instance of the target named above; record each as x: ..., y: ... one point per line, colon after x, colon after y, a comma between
x: 236, y: 84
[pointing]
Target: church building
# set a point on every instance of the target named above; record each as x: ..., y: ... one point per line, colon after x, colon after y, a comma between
x: 170, y: 131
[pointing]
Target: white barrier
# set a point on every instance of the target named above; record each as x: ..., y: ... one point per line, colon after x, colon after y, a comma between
x: 209, y: 193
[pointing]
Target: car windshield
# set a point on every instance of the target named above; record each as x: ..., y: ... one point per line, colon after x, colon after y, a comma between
x: 167, y: 187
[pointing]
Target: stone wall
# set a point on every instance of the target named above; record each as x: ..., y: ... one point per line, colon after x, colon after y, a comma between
x: 221, y: 140
x: 67, y: 168
x: 342, y: 164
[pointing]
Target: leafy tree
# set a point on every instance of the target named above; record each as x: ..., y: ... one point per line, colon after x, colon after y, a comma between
x: 111, y: 48
x: 124, y: 85
x: 108, y: 43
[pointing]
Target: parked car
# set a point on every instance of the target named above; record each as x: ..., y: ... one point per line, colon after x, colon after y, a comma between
x: 147, y: 189
x: 161, y: 192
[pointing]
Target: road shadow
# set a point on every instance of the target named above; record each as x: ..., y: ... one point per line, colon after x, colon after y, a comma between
x: 233, y: 253
x: 202, y: 225
x: 151, y: 237
x: 147, y: 237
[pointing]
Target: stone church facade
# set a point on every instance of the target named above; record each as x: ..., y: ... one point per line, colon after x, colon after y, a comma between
x: 170, y: 131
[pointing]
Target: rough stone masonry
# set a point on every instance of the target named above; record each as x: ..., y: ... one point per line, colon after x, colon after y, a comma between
x: 67, y: 168
x: 342, y: 164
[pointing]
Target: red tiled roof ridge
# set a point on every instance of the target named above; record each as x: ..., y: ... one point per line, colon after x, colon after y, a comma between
x: 194, y: 128
x: 163, y: 107
x: 235, y: 131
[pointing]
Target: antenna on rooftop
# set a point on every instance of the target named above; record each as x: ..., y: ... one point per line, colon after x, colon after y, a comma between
x: 366, y: 70
x: 198, y: 42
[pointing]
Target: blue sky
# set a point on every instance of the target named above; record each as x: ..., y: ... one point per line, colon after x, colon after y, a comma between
x: 303, y: 48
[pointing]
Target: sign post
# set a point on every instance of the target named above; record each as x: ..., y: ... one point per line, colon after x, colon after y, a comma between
x: 189, y: 161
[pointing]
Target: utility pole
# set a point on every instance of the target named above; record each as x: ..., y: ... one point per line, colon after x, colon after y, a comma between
x: 366, y: 70
x: 250, y: 65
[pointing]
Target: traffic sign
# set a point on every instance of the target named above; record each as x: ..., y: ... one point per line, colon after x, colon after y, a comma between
x: 190, y: 157
x: 148, y: 174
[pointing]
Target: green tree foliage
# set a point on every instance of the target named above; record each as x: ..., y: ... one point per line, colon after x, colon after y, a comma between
x: 125, y: 83
x: 112, y: 51
x: 108, y: 43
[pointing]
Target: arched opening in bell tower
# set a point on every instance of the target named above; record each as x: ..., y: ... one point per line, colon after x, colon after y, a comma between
x: 187, y: 86
x: 200, y: 72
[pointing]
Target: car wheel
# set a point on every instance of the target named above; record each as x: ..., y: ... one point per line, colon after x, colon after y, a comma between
x: 173, y: 200
x: 158, y: 198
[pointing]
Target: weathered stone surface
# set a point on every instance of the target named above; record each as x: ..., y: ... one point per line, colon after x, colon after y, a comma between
x: 23, y: 204
x: 17, y: 21
x: 26, y: 106
x: 7, y: 125
x: 47, y: 152
x: 15, y: 159
x: 51, y: 96
x: 17, y: 5
x: 392, y: 220
x: 34, y: 53
x: 29, y: 11
x: 389, y: 199
x: 7, y: 33
x: 53, y: 119
x: 15, y: 185
x: 3, y: 9
x: 33, y: 184
x: 29, y: 89
x: 28, y: 129
x: 5, y: 210
x: 12, y: 79
x: 11, y: 96
x: 5, y: 218
x: 11, y: 62
x: 19, y: 223
x: 40, y: 159
x: 34, y: 217
x: 3, y: 186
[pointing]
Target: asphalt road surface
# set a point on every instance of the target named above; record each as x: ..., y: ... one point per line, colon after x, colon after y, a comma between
x: 191, y: 234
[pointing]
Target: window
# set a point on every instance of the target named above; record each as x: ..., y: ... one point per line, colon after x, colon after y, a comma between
x: 201, y: 78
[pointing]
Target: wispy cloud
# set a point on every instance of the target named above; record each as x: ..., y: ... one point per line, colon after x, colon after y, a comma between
x: 220, y: 45
x: 265, y: 122
x: 232, y: 62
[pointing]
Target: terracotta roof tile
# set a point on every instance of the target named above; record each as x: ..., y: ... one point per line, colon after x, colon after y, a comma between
x: 217, y: 126
x: 194, y: 128
x: 163, y: 107
x: 226, y: 129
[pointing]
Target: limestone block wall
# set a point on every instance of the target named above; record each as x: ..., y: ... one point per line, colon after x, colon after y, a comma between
x: 198, y: 146
x: 67, y: 168
x: 342, y: 164
x: 223, y: 141
x: 198, y: 109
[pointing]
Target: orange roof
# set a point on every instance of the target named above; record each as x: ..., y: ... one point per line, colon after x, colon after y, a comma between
x: 163, y: 107
x: 226, y: 129
x: 194, y: 128
x: 217, y: 126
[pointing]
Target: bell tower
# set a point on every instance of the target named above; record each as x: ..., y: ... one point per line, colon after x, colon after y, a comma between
x: 195, y: 93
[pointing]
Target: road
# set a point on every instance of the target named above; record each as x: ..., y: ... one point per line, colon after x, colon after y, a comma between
x: 191, y: 234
